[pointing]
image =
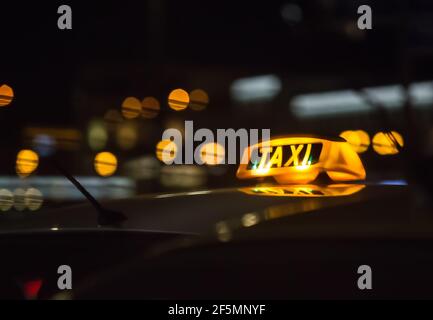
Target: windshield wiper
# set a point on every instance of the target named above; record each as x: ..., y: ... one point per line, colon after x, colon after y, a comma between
x: 106, y: 217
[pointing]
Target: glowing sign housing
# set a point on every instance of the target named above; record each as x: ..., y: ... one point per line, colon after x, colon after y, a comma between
x: 301, y: 159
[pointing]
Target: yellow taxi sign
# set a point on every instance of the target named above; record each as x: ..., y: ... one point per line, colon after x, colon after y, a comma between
x: 301, y: 159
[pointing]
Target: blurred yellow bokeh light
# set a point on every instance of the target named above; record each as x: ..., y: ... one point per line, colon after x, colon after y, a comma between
x: 199, y: 100
x: 19, y: 199
x: 166, y: 151
x: 105, y: 164
x: 126, y: 136
x: 384, y: 143
x: 97, y: 135
x: 212, y: 154
x: 178, y: 100
x: 359, y: 140
x: 33, y: 199
x: 6, y: 200
x: 6, y: 95
x: 113, y: 116
x: 150, y: 108
x: 131, y: 108
x: 250, y: 219
x: 27, y: 162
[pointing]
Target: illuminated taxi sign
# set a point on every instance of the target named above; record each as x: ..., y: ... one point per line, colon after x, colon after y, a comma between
x: 305, y: 191
x: 301, y: 159
x: 294, y: 155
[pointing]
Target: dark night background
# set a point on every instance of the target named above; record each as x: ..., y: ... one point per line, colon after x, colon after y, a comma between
x: 64, y: 78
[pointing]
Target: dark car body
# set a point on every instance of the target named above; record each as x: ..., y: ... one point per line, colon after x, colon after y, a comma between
x: 257, y: 242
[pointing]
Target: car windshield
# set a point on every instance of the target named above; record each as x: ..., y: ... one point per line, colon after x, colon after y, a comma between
x: 164, y: 97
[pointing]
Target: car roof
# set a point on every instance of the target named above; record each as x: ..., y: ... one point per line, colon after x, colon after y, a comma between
x: 374, y: 208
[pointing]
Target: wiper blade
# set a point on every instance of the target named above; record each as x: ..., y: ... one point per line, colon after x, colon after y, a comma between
x: 106, y: 217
